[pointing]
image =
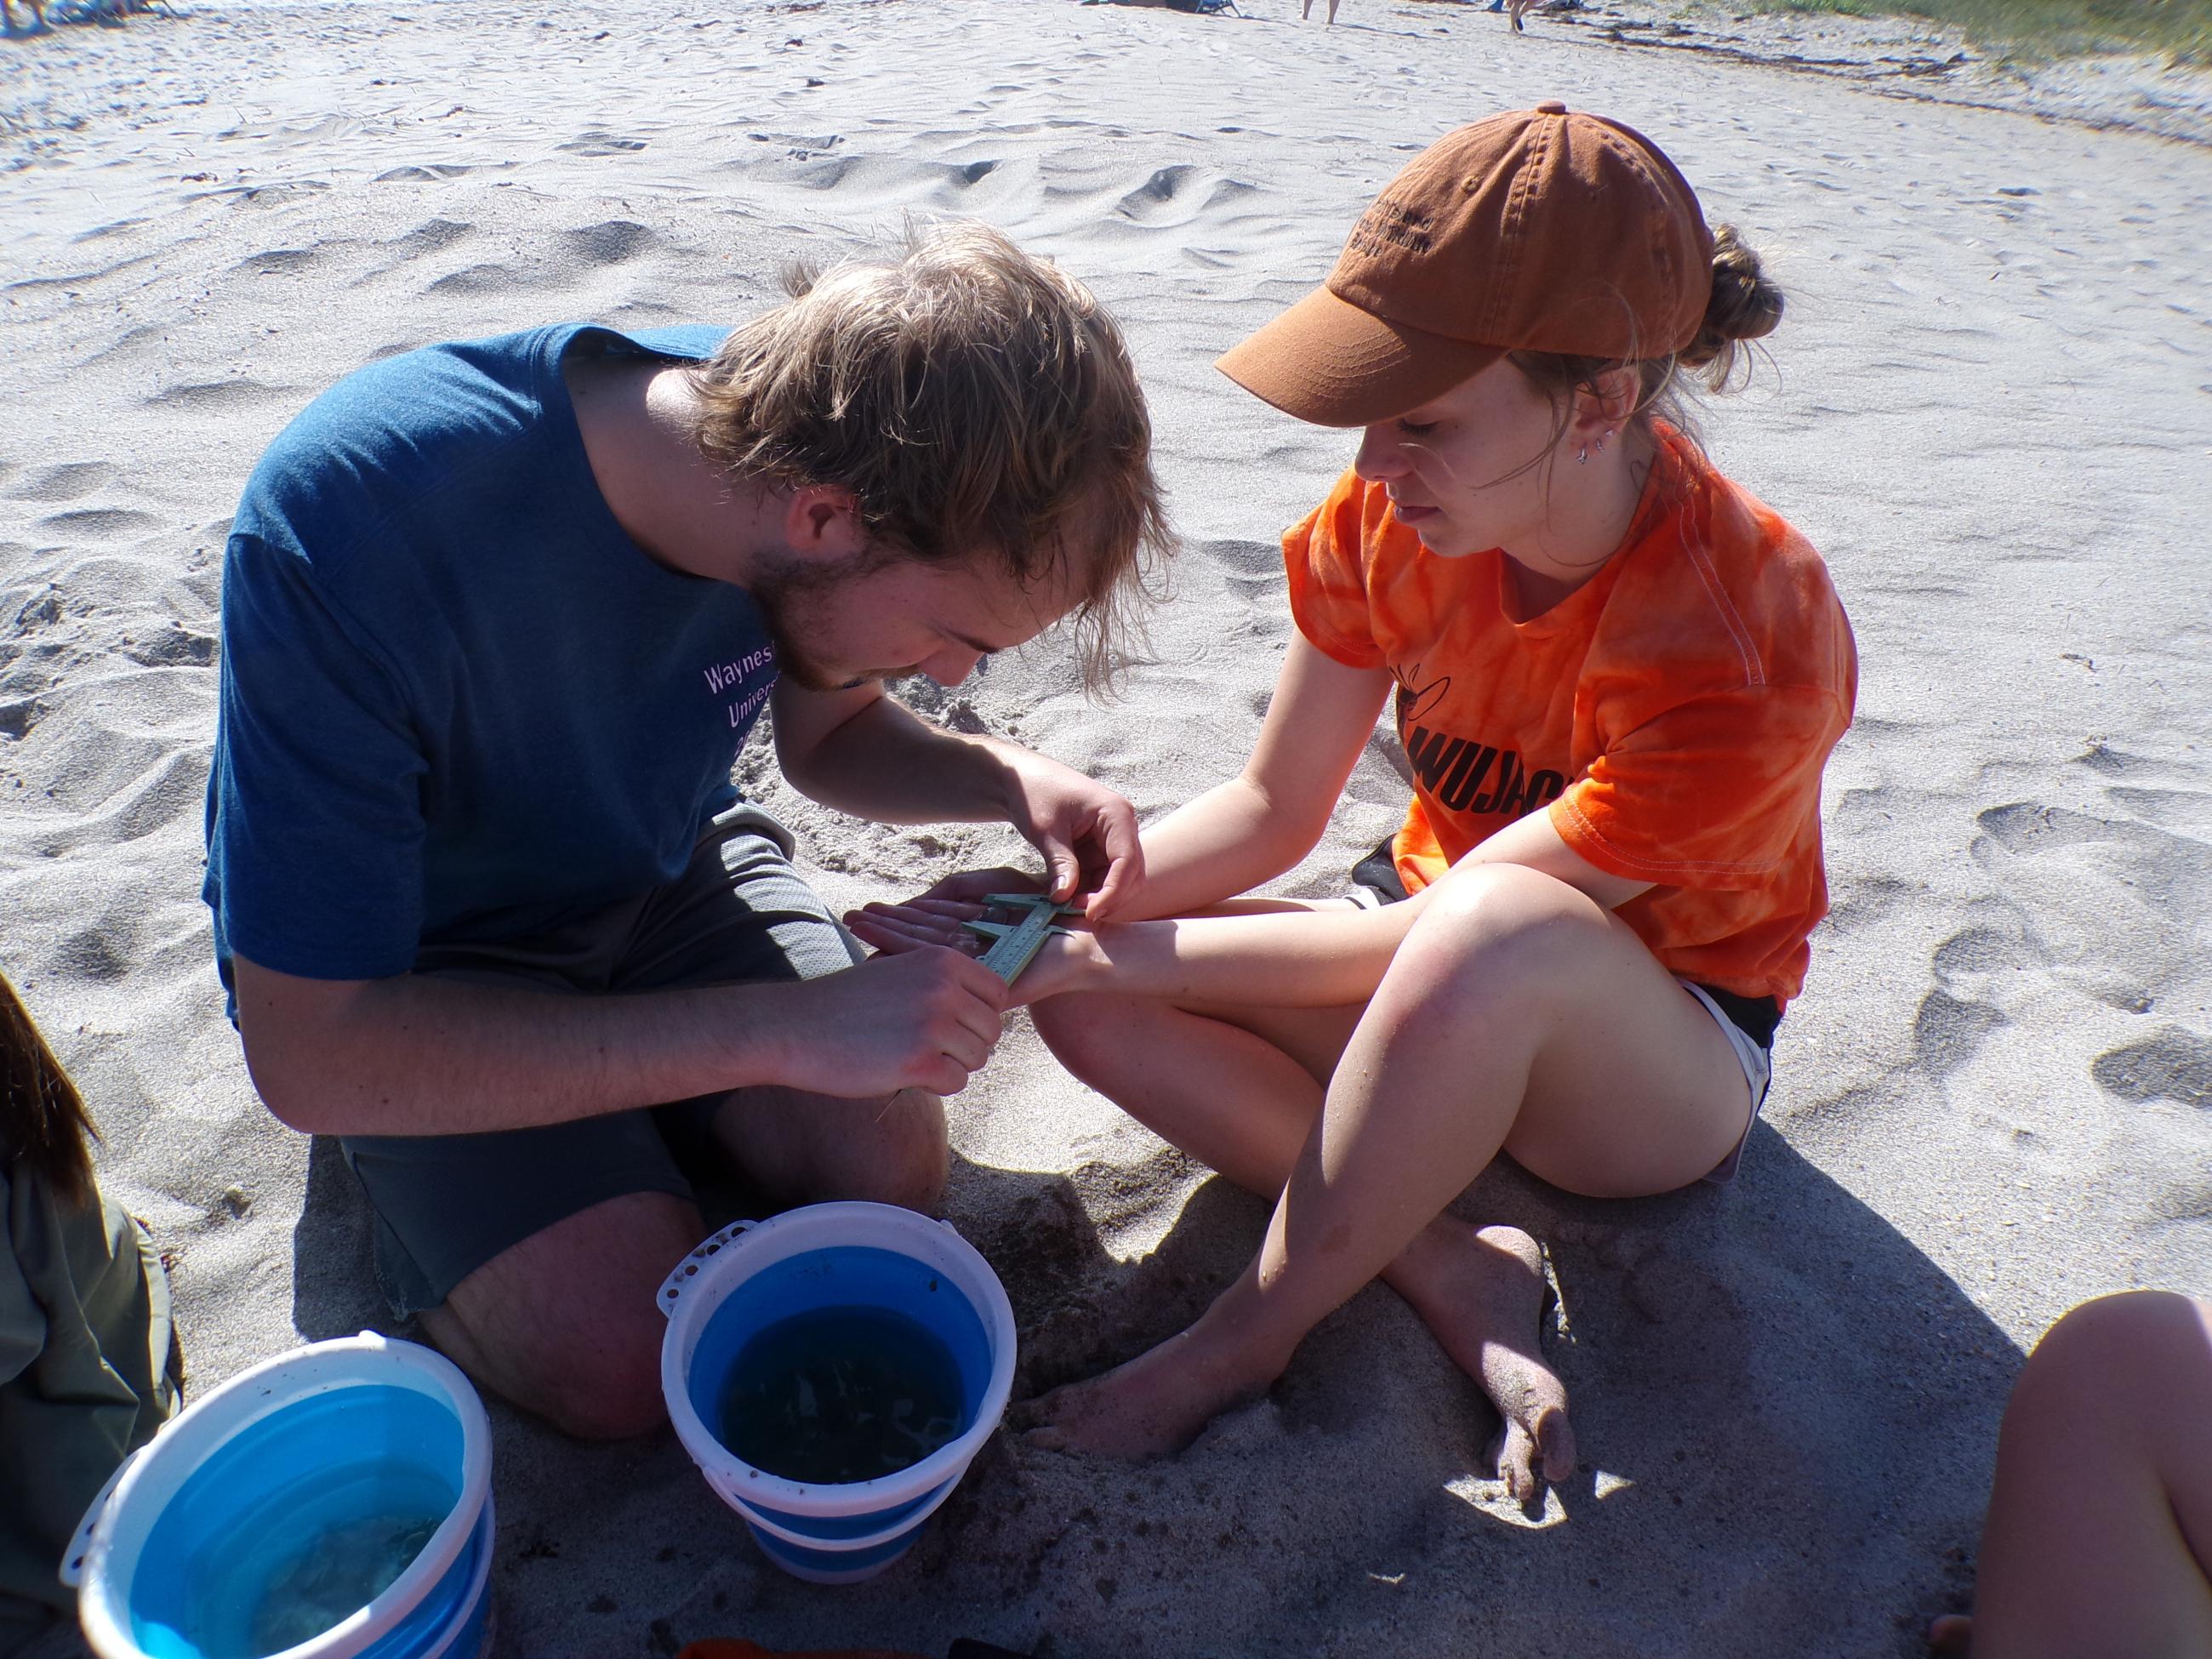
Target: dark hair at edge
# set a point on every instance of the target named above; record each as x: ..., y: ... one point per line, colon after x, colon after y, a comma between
x: 44, y: 1127
x: 1745, y: 305
x: 975, y: 401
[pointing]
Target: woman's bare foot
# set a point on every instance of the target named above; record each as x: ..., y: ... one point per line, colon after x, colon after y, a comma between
x: 1156, y: 1404
x: 1481, y: 1294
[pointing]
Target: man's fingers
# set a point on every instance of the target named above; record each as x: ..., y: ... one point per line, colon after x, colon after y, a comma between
x: 1124, y: 848
x: 1063, y: 869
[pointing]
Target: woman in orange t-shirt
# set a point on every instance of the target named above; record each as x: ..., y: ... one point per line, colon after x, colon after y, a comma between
x: 1617, y: 677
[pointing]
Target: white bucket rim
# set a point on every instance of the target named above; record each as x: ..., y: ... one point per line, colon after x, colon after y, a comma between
x: 103, y: 1606
x: 905, y: 1524
x: 696, y: 1287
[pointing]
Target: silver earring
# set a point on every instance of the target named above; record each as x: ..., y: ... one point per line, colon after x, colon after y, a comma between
x: 1600, y: 442
x: 1583, y: 454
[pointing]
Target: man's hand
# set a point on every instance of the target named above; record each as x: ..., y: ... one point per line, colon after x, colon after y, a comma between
x: 1087, y: 833
x: 925, y: 1019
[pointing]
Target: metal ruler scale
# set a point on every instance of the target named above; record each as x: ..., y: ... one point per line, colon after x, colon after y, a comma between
x: 1015, y: 948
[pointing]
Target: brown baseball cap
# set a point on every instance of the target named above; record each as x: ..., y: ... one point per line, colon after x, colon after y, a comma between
x: 1536, y: 231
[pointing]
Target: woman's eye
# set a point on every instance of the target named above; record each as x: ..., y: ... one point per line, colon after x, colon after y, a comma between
x: 1417, y: 428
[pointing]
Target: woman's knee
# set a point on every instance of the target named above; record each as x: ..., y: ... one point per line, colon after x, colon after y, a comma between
x: 2124, y: 1342
x: 1527, y: 930
x: 1087, y: 1032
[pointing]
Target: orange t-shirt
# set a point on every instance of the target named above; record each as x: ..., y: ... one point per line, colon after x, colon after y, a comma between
x: 1672, y: 714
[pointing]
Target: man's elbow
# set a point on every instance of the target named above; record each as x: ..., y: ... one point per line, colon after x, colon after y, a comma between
x: 292, y: 1097
x: 300, y: 1041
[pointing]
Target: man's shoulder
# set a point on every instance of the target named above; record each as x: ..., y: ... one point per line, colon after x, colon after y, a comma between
x: 376, y: 444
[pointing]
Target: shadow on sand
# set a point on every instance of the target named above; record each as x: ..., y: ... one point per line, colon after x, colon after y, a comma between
x: 1786, y: 1415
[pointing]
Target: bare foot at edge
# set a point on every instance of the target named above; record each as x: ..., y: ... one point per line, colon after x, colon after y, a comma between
x: 1481, y: 1295
x: 1155, y: 1405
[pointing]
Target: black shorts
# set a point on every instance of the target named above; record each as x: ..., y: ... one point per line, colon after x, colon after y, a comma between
x: 446, y: 1205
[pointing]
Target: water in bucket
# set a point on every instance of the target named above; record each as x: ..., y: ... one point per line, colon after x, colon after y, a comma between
x: 275, y: 1541
x: 867, y: 1352
x: 843, y: 1394
x: 339, y: 1572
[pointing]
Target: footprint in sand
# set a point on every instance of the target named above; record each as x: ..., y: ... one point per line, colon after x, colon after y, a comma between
x: 600, y: 144
x: 610, y: 242
x: 215, y: 395
x: 2174, y: 1064
x: 68, y: 481
x: 99, y: 524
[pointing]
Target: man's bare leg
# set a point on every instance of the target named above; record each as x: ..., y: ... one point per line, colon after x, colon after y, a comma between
x: 804, y: 1149
x: 1510, y: 1017
x: 564, y: 1323
x: 2099, y: 1533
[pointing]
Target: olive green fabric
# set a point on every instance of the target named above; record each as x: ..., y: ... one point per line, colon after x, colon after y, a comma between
x: 85, y: 1338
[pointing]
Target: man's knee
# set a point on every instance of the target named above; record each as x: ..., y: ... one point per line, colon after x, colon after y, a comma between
x: 563, y: 1322
x: 603, y: 1385
x: 618, y: 1400
x: 891, y: 1150
x: 906, y: 1158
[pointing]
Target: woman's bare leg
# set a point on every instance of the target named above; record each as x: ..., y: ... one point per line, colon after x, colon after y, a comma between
x: 2099, y: 1533
x: 1239, y: 1089
x: 1518, y: 1014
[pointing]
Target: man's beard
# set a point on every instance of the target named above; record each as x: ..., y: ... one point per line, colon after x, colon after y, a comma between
x: 792, y: 599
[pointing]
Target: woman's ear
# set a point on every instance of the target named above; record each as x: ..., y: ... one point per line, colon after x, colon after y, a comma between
x: 1604, y: 403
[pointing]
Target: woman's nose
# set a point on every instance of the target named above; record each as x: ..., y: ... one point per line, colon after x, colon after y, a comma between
x: 1380, y: 460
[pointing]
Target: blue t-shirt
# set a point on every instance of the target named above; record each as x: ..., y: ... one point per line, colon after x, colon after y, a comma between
x: 458, y: 703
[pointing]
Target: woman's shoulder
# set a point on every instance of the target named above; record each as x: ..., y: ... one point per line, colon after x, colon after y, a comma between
x: 1724, y: 577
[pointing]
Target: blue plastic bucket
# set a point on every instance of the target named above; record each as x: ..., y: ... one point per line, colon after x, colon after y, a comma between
x: 238, y: 1519
x: 750, y: 1276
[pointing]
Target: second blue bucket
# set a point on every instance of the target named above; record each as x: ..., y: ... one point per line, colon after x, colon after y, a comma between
x: 750, y: 1275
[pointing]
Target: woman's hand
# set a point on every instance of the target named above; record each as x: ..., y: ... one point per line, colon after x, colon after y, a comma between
x: 917, y: 924
x: 933, y: 920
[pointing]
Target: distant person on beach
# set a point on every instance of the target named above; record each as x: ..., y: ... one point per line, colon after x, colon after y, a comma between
x: 1617, y: 676
x: 497, y: 617
x: 1305, y: 11
x: 2099, y: 1540
x: 88, y: 1354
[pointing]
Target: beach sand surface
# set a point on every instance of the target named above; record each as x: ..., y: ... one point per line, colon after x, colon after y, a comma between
x: 1991, y: 406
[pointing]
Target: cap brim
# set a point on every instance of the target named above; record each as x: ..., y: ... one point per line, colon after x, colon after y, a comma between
x: 1327, y: 361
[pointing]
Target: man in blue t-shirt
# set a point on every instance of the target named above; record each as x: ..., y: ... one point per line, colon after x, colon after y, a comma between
x: 497, y: 617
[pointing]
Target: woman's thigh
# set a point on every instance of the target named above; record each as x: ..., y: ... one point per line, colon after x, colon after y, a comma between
x: 1632, y: 1087
x: 1313, y: 1037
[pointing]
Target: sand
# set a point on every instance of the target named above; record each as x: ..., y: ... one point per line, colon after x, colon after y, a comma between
x: 1987, y: 406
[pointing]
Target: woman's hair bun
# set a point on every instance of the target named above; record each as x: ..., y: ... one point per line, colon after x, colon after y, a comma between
x: 1745, y: 306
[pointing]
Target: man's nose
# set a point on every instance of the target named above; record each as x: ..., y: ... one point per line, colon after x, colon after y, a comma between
x: 952, y: 664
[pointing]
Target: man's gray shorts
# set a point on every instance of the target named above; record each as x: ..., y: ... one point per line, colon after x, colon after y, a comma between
x: 446, y: 1205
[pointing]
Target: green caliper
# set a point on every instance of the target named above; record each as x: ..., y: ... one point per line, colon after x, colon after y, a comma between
x: 1014, y: 944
